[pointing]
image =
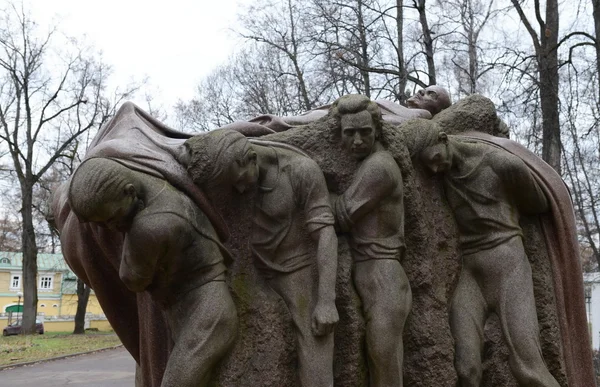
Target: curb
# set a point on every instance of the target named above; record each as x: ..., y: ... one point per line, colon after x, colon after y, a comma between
x: 16, y: 365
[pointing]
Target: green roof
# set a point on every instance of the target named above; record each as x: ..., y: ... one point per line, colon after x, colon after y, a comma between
x: 69, y: 285
x: 45, y: 262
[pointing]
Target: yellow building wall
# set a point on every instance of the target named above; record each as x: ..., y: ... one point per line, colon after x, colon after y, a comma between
x: 5, y: 277
x: 56, y: 283
x: 69, y: 305
x: 59, y: 326
x: 68, y: 326
x: 48, y: 309
x: 101, y: 325
x: 4, y: 281
x: 65, y: 307
x: 8, y: 300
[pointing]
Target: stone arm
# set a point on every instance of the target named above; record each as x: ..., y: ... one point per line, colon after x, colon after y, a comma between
x: 373, y: 182
x: 314, y: 198
x: 145, y: 244
x: 526, y: 192
x: 325, y: 314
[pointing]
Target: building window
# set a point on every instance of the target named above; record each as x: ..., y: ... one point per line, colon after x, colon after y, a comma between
x: 15, y: 281
x: 46, y: 282
x: 42, y: 305
x: 5, y: 261
x: 55, y: 306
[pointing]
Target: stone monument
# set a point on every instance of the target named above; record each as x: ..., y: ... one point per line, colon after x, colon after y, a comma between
x: 427, y: 214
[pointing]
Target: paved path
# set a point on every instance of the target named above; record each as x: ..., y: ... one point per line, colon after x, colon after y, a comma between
x: 113, y: 367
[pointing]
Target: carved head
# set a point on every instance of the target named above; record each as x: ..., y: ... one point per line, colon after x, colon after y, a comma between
x: 222, y: 157
x: 437, y: 157
x: 359, y: 121
x: 104, y: 192
x: 428, y: 143
x: 432, y: 98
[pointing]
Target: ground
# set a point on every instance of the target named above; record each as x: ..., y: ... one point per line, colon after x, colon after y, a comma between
x: 115, y: 368
x: 20, y: 349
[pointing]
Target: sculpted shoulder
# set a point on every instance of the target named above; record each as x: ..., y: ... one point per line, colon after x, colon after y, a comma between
x: 298, y: 161
x: 382, y: 159
x: 505, y: 162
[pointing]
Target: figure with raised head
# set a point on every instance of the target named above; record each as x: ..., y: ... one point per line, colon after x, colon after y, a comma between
x: 291, y: 214
x: 487, y: 189
x: 170, y: 250
x: 371, y: 210
x: 433, y: 98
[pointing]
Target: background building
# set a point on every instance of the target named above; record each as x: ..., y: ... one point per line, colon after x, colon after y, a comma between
x: 592, y: 305
x: 57, y: 290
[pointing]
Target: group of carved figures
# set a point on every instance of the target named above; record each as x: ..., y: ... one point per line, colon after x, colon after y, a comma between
x: 172, y: 251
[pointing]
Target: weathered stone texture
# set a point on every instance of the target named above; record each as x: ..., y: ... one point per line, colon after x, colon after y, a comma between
x: 264, y: 354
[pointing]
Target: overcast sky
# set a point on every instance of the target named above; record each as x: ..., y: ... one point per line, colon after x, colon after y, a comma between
x: 174, y: 43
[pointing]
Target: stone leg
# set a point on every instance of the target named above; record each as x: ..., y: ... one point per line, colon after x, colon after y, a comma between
x: 386, y: 301
x: 315, y: 354
x: 204, y: 324
x: 518, y: 318
x: 468, y: 312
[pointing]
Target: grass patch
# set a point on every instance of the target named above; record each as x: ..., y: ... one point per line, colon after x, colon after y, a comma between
x: 19, y: 349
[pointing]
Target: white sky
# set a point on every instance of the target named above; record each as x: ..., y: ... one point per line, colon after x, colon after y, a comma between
x: 174, y: 43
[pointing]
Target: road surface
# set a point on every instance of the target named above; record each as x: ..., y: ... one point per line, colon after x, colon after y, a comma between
x: 113, y: 367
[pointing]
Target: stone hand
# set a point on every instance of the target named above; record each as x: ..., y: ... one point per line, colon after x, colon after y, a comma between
x: 324, y: 318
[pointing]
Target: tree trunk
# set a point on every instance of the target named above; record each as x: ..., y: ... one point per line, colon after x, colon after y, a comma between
x: 403, y: 76
x: 304, y: 100
x: 29, y: 246
x: 546, y: 46
x: 548, y: 71
x: 472, y: 41
x: 83, y: 296
x: 364, y: 48
x: 427, y: 40
x: 596, y: 6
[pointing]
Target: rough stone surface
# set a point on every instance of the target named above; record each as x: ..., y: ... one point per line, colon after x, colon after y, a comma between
x: 264, y: 354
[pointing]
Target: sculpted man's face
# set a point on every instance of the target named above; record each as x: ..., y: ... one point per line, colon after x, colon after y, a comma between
x: 244, y: 174
x: 358, y: 134
x: 437, y: 158
x: 117, y: 214
x: 429, y: 99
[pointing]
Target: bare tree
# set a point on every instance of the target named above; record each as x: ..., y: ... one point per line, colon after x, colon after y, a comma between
x: 366, y: 36
x: 279, y: 25
x: 545, y: 45
x: 10, y: 235
x: 596, y: 40
x: 251, y: 83
x: 214, y: 105
x: 582, y: 156
x: 427, y: 40
x: 83, y: 296
x: 48, y: 98
x: 465, y: 42
x: 581, y: 149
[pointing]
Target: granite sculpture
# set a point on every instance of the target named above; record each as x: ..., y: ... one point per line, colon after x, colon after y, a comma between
x: 171, y: 250
x: 265, y: 351
x: 487, y: 189
x: 371, y: 210
x: 290, y: 208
